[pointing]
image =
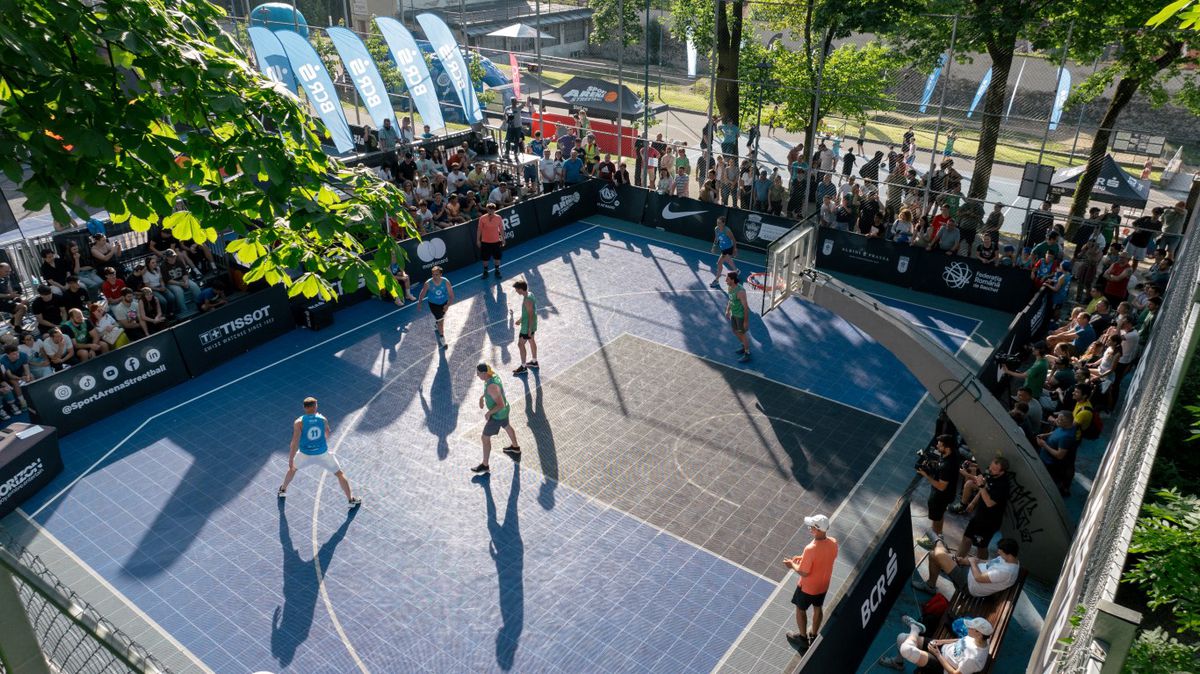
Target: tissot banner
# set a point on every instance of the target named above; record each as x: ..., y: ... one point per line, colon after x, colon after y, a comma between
x: 363, y: 73
x: 869, y: 258
x: 105, y: 385
x: 413, y: 69
x: 311, y: 74
x: 452, y: 61
x: 623, y: 201
x: 971, y: 281
x: 272, y: 60
x: 682, y: 215
x: 863, y: 608
x: 757, y: 230
x: 212, y: 338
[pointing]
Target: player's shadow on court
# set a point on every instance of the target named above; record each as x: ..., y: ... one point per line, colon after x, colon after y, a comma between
x: 499, y: 319
x: 508, y: 553
x: 441, y: 409
x: 543, y: 436
x: 292, y: 622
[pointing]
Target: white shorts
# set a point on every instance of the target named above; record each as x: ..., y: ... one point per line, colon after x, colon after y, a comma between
x: 326, y: 460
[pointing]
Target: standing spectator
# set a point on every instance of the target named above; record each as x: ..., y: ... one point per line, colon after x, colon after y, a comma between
x: 568, y: 142
x: 1116, y: 279
x: 1142, y: 236
x: 870, y: 170
x: 10, y: 295
x: 550, y: 172
x: 607, y: 170
x: 902, y: 228
x: 943, y: 482
x: 762, y: 191
x: 776, y: 195
x: 591, y: 154
x: 1173, y: 219
x: 946, y: 239
x: 995, y: 219
x: 896, y: 181
x: 844, y: 216
x: 848, y: 162
x: 681, y: 182
x: 893, y: 159
x: 727, y: 175
x: 512, y: 130
x: 623, y: 174
x: 948, y: 151
x: 986, y: 496
x: 815, y: 568
x: 1057, y: 449
x: 827, y: 217
x: 388, y: 138
x: 573, y: 169
x: 826, y: 188
x: 1044, y: 269
x: 406, y: 131
x: 729, y: 137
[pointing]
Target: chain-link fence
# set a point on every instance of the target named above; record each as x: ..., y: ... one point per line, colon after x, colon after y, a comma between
x: 72, y: 636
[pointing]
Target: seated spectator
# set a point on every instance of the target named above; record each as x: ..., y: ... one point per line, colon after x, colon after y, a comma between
x: 106, y: 327
x: 87, y: 343
x: 979, y: 578
x: 453, y: 211
x: 153, y: 278
x: 53, y: 271
x: 195, y: 255
x: 10, y: 295
x: 178, y: 281
x: 8, y: 402
x: 74, y: 296
x: 47, y: 309
x: 1077, y: 332
x: 125, y: 313
x: 423, y: 218
x: 58, y: 349
x: 31, y: 348
x: 150, y: 314
x: 946, y: 238
x: 456, y: 181
x: 966, y: 655
x: 1035, y: 375
x: 137, y: 280
x: 1026, y: 260
x: 940, y: 220
x: 211, y: 297
x: 105, y: 252
x: 112, y: 286
x: 902, y: 228
x: 437, y: 208
x: 985, y: 249
x: 16, y: 373
x: 1008, y: 256
x: 78, y: 267
x: 501, y: 195
x: 666, y: 184
x: 471, y: 208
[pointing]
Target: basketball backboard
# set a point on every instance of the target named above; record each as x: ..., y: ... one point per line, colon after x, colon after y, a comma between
x: 788, y: 258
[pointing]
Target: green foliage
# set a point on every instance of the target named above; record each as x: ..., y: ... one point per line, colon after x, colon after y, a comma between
x: 1188, y: 14
x: 378, y: 49
x: 616, y: 20
x: 1167, y: 567
x: 1156, y: 652
x: 140, y: 107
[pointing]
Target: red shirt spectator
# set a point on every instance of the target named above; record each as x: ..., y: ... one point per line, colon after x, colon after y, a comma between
x: 937, y: 222
x: 112, y: 286
x: 1116, y: 279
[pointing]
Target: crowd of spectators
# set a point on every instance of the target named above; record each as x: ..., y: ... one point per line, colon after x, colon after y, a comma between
x: 90, y: 299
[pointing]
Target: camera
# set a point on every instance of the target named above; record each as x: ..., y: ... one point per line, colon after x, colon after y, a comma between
x: 929, y: 460
x: 1010, y: 360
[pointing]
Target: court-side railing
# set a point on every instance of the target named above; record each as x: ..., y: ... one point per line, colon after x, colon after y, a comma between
x: 70, y: 634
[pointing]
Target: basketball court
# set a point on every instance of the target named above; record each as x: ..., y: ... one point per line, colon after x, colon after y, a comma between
x: 660, y: 484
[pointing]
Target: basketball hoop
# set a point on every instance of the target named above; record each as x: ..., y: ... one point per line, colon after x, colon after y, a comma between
x: 765, y: 281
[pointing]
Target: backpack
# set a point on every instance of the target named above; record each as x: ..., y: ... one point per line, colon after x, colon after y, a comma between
x: 1094, y: 430
x: 932, y: 610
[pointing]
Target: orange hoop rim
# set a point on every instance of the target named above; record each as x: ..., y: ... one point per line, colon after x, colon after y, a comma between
x: 761, y: 280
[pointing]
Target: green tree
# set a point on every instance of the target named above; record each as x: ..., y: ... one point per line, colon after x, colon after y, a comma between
x: 1144, y: 61
x: 1189, y: 15
x: 1165, y: 542
x: 147, y: 109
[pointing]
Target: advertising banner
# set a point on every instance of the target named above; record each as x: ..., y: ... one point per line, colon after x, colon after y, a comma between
x: 313, y: 77
x: 971, y: 281
x: 364, y: 74
x: 520, y: 223
x: 451, y: 58
x: 212, y: 338
x: 26, y: 464
x: 757, y: 230
x: 272, y: 60
x: 624, y: 202
x: 562, y: 207
x: 105, y: 385
x: 869, y: 258
x: 413, y: 69
x: 681, y: 215
x: 856, y: 619
x: 451, y: 249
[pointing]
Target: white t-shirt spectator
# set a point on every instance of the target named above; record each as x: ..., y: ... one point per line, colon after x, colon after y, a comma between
x: 901, y: 230
x: 965, y: 655
x: 1001, y: 576
x: 153, y: 279
x: 499, y: 197
x: 456, y: 179
x: 1129, y: 346
x: 549, y: 170
x: 424, y: 217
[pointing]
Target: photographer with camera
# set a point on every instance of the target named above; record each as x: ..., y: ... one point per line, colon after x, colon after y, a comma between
x: 985, y: 494
x: 939, y: 465
x: 1034, y: 377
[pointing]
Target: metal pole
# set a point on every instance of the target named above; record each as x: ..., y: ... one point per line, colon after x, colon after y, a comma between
x: 462, y: 26
x: 937, y: 129
x: 620, y: 76
x: 646, y: 101
x: 813, y: 170
x: 537, y: 47
x: 1046, y: 134
x: 1079, y: 122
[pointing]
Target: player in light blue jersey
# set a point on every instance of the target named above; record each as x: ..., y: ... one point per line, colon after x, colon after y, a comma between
x: 310, y: 447
x: 724, y: 241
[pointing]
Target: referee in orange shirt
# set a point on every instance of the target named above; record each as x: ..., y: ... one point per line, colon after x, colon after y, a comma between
x: 815, y: 567
x: 491, y: 239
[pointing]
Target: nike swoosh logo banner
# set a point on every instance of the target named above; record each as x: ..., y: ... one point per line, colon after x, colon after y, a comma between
x: 668, y: 214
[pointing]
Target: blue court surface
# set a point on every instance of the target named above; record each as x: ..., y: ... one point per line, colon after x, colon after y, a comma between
x: 173, y: 502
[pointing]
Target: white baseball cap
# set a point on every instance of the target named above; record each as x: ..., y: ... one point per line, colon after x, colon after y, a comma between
x: 820, y: 522
x: 981, y: 624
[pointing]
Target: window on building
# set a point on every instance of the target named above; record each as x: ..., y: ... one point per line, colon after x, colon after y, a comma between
x: 575, y: 31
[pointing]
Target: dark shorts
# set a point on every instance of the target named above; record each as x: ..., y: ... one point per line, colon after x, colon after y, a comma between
x: 549, y: 187
x: 727, y: 251
x: 981, y: 531
x: 938, y: 502
x: 438, y: 310
x: 804, y: 600
x: 958, y: 576
x: 527, y: 335
x: 490, y: 251
x: 493, y: 426
x: 737, y: 323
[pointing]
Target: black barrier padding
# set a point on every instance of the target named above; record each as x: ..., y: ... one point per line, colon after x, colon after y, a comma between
x: 854, y: 623
x: 757, y: 230
x: 520, y: 223
x: 876, y: 259
x: 108, y: 384
x: 27, y: 465
x: 212, y: 338
x: 623, y: 201
x: 565, y: 206
x: 681, y: 215
x: 973, y: 282
x: 452, y: 248
x: 1029, y: 326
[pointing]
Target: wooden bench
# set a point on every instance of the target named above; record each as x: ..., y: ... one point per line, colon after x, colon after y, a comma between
x: 997, y: 608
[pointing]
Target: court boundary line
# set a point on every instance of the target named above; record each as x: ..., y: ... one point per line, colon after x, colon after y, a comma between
x: 845, y: 501
x: 117, y: 594
x: 264, y: 368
